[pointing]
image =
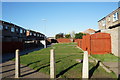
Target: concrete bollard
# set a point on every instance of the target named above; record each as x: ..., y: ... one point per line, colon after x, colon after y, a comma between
x: 52, y: 64
x: 85, y: 68
x: 17, y: 64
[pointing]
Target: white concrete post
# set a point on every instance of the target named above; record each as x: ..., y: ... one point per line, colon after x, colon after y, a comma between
x: 85, y: 68
x: 17, y: 64
x: 52, y: 64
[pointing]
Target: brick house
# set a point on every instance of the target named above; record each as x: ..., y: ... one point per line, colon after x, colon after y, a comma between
x: 14, y: 37
x: 112, y: 19
x: 111, y: 24
x: 11, y: 32
x: 89, y: 31
x: 33, y: 35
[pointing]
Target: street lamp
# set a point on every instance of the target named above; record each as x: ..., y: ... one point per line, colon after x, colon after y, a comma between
x: 44, y: 20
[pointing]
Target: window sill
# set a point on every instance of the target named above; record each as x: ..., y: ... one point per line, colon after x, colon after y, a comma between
x: 115, y: 21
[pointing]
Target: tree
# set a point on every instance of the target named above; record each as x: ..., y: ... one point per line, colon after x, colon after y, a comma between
x: 79, y: 35
x: 60, y: 35
x: 67, y: 36
x: 72, y: 34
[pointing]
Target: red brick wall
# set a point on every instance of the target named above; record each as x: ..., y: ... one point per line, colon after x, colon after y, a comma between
x: 62, y: 40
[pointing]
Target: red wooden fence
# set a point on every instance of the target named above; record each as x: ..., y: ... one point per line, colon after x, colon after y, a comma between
x: 79, y: 42
x: 62, y: 40
x: 99, y: 43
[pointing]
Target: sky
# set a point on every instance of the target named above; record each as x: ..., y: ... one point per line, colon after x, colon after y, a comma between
x: 51, y: 18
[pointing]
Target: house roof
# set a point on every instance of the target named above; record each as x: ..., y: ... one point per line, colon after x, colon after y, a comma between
x: 109, y: 14
x: 89, y: 31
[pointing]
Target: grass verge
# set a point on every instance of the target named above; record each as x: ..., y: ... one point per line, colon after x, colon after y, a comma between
x: 106, y: 57
x: 66, y: 65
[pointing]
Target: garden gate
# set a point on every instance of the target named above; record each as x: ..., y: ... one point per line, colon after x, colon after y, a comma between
x: 98, y: 43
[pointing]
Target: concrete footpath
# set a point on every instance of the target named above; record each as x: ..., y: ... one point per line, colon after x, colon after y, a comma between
x: 8, y: 71
x: 113, y: 66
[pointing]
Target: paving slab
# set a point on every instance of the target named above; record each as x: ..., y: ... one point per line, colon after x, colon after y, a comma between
x: 114, y: 66
x: 8, y: 71
x: 111, y: 64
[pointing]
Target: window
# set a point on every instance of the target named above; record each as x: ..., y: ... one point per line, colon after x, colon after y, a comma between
x: 6, y: 27
x: 103, y: 23
x: 1, y: 27
x: 115, y: 16
x: 21, y: 31
x: 34, y: 34
x: 24, y: 31
x: 38, y: 35
x: 30, y: 33
x: 109, y: 19
x: 12, y: 29
x: 16, y: 29
x: 99, y: 23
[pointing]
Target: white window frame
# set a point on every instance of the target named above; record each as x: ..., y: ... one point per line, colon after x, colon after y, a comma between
x: 12, y: 29
x: 17, y: 30
x: 38, y: 35
x: 6, y: 27
x: 103, y: 22
x: 109, y: 19
x: 34, y: 34
x: 115, y: 16
x: 30, y: 33
x: 24, y: 31
x: 21, y: 31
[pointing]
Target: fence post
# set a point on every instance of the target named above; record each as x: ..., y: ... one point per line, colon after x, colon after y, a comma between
x: 17, y: 64
x: 52, y: 64
x: 85, y: 68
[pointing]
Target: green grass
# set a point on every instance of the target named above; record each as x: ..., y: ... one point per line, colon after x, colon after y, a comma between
x: 106, y: 57
x: 65, y: 56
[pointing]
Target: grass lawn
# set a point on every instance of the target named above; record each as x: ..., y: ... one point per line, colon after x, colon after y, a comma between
x: 66, y: 65
x: 106, y: 57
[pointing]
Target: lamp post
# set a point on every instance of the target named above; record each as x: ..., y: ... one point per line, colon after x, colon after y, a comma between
x: 44, y: 20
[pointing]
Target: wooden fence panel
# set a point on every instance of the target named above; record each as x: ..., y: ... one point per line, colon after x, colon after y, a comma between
x: 62, y: 40
x: 79, y: 42
x: 86, y: 43
x: 98, y: 43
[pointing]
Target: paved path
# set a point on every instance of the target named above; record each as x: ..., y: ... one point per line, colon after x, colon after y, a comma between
x: 114, y: 66
x: 8, y: 71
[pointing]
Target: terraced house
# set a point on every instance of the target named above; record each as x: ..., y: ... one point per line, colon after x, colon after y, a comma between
x: 111, y: 24
x: 15, y: 37
x: 110, y: 21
